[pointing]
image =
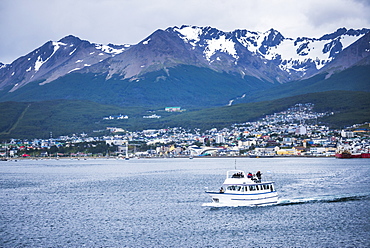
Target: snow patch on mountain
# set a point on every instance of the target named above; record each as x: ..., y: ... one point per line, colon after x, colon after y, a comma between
x: 109, y: 49
x: 221, y: 44
x: 146, y: 42
x: 349, y: 40
x: 189, y: 34
x: 75, y: 69
x: 74, y: 50
x: 39, y: 62
x: 252, y: 41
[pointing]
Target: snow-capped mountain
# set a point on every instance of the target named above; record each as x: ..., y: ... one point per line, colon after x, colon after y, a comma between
x: 55, y: 59
x: 254, y: 57
x: 355, y: 54
x: 295, y: 58
x: 268, y: 55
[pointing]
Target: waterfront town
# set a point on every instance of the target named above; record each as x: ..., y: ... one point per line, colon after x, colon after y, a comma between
x: 294, y: 132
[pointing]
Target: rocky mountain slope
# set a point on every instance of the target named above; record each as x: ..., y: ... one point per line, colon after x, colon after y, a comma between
x: 198, y: 61
x: 55, y: 59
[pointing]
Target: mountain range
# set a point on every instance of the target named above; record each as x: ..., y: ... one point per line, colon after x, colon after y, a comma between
x: 185, y: 66
x: 220, y: 78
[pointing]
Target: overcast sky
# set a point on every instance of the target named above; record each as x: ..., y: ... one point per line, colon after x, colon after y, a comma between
x: 27, y: 24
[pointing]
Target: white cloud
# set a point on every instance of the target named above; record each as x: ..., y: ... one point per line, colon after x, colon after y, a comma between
x: 26, y: 25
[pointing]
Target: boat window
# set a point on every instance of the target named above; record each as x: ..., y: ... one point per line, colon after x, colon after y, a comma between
x: 257, y: 187
x: 272, y: 189
x: 234, y: 188
x: 239, y: 188
x: 252, y: 188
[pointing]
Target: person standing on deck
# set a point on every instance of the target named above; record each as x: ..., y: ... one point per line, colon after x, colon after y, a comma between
x: 259, y: 176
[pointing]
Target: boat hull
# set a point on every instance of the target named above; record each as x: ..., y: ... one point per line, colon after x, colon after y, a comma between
x: 229, y: 199
x: 343, y: 155
x: 365, y: 155
x: 347, y: 155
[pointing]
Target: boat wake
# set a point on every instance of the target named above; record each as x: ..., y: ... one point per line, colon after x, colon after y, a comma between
x: 218, y: 205
x: 304, y: 200
x: 323, y: 199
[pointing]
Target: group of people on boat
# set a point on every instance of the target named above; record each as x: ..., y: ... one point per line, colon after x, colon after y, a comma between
x: 238, y: 175
x: 256, y: 177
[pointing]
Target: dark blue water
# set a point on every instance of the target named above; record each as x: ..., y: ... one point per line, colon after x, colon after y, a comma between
x: 157, y: 203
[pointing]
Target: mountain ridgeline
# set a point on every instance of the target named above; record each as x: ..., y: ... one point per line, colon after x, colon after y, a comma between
x: 188, y: 66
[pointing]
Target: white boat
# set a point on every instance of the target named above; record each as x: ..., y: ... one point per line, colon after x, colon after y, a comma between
x: 240, y: 190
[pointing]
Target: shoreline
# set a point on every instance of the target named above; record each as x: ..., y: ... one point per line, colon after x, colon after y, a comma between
x: 173, y: 157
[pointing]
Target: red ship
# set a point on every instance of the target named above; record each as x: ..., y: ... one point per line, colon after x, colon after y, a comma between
x: 343, y: 154
x: 347, y: 154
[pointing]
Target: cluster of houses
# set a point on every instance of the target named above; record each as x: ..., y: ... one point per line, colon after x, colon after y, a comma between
x: 153, y: 116
x: 115, y: 117
x: 294, y: 132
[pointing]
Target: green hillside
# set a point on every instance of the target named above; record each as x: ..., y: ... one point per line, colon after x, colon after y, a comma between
x: 187, y: 86
x: 356, y: 78
x: 349, y: 108
x: 61, y: 117
x: 65, y: 117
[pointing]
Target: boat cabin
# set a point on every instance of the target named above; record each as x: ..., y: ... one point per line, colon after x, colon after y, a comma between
x: 238, y: 182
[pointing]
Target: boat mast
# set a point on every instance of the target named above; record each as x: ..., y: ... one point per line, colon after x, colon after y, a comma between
x: 127, y: 158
